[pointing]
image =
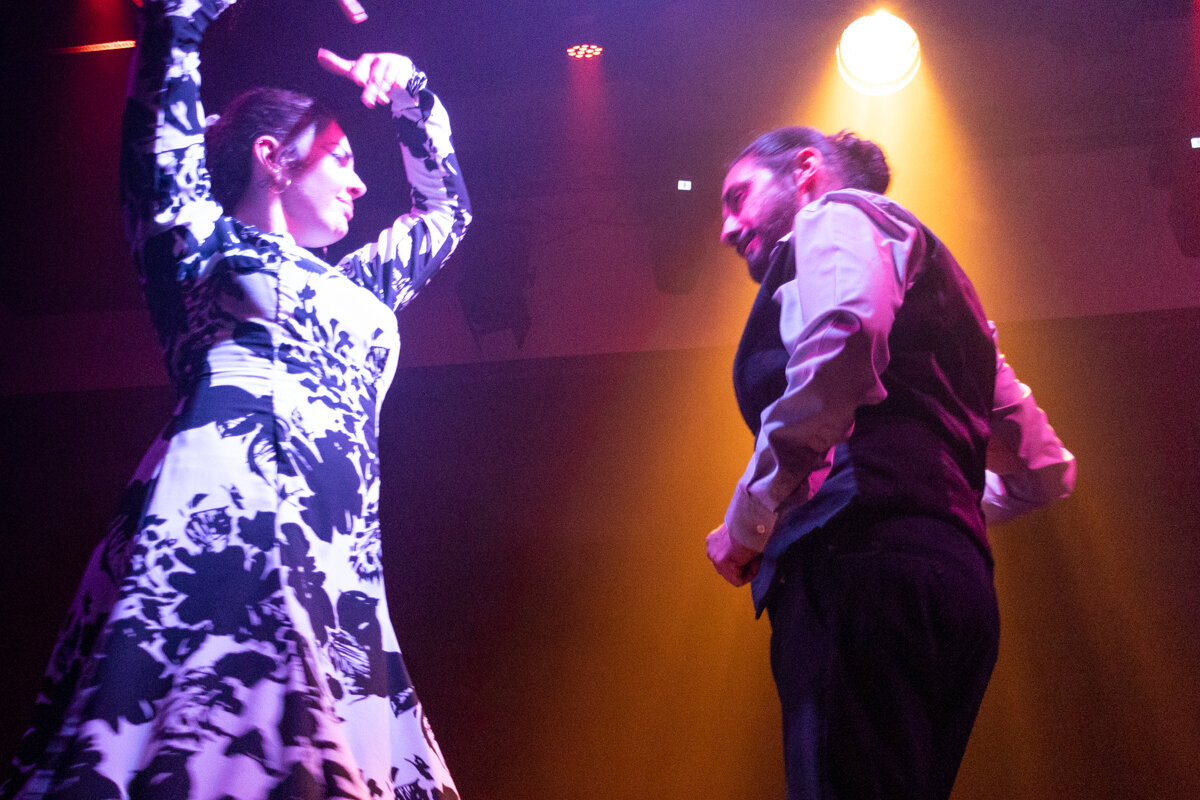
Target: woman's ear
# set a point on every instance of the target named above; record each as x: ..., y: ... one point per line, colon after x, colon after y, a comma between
x: 266, y: 154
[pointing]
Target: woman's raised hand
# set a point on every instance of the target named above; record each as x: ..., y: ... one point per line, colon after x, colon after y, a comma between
x: 353, y: 10
x: 377, y: 73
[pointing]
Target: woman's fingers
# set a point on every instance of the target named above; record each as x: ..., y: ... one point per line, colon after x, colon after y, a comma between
x: 353, y: 10
x: 334, y: 63
x: 358, y: 71
x: 385, y: 75
x: 375, y: 87
x: 377, y: 73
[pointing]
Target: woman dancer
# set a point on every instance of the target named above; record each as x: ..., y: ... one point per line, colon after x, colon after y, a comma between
x: 231, y: 638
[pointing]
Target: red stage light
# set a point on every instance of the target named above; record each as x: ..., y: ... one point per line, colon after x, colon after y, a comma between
x: 584, y: 50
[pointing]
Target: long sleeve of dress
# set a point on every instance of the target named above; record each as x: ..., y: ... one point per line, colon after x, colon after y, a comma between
x: 165, y: 187
x: 406, y: 255
x: 835, y: 317
x: 1027, y: 464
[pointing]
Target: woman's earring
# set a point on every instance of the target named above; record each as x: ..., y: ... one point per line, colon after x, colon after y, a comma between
x: 279, y: 183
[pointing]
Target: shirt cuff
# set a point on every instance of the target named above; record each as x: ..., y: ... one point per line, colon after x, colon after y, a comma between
x: 410, y: 97
x: 748, y: 521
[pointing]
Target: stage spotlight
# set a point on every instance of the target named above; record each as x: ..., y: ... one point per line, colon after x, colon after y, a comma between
x: 878, y: 54
x: 584, y: 51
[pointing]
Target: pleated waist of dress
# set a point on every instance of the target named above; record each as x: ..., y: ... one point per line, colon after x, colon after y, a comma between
x: 302, y: 370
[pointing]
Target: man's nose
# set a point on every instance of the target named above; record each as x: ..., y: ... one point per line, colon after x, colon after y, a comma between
x: 730, y: 230
x: 357, y: 187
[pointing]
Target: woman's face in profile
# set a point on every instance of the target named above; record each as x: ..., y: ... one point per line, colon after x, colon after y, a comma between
x: 319, y: 203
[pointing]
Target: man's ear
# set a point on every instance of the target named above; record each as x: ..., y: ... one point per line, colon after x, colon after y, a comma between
x: 808, y: 164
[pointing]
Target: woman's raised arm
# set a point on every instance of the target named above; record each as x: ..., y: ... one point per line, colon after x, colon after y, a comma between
x: 164, y: 184
x: 405, y: 256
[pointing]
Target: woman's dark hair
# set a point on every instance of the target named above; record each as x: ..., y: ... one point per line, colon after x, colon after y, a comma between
x: 859, y: 162
x: 258, y: 112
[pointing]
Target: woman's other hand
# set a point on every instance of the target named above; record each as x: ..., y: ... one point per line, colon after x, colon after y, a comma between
x: 353, y: 10
x: 378, y: 73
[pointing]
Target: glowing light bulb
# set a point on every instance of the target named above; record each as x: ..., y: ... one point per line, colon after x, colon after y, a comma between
x: 878, y: 54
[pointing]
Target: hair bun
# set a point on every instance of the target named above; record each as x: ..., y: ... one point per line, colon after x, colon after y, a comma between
x: 863, y: 163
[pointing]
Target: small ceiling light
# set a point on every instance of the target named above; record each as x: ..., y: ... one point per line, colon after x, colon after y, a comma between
x: 684, y: 185
x: 1196, y: 142
x: 878, y: 54
x: 584, y: 51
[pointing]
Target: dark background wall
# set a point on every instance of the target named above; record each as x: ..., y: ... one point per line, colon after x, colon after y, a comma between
x: 562, y: 433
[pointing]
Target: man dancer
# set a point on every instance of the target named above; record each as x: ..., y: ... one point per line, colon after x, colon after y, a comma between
x: 887, y: 426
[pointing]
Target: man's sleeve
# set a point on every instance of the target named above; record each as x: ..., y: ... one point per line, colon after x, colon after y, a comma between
x: 852, y: 261
x: 1027, y: 464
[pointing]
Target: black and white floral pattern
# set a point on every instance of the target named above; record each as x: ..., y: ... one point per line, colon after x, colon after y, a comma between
x: 231, y: 638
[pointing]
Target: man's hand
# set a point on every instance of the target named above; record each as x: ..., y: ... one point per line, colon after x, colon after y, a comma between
x: 378, y: 73
x: 734, y: 562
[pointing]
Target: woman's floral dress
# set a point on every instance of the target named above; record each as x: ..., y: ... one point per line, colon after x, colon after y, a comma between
x: 231, y: 638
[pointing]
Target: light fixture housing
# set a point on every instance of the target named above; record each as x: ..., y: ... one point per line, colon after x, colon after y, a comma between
x: 584, y: 51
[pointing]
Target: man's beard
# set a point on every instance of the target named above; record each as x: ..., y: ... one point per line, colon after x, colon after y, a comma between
x: 776, y: 225
x: 759, y: 262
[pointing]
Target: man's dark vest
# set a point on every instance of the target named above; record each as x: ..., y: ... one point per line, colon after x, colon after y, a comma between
x: 922, y: 450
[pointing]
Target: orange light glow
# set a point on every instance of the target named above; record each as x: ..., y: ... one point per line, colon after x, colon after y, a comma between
x: 123, y: 44
x: 937, y: 171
